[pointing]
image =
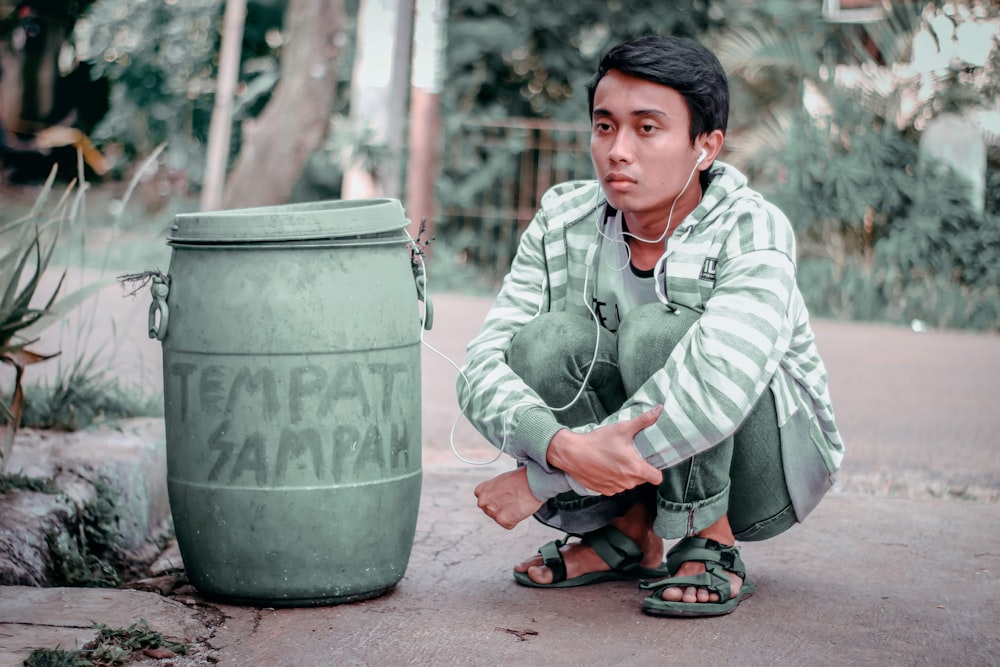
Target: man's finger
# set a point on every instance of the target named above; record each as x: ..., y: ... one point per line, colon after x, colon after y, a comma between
x: 647, y: 418
x: 653, y: 474
x: 650, y: 473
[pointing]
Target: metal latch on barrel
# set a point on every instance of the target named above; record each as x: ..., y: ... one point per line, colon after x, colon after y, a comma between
x: 420, y: 278
x: 158, y: 311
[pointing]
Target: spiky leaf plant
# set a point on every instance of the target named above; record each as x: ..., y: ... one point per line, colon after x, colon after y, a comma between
x: 21, y: 322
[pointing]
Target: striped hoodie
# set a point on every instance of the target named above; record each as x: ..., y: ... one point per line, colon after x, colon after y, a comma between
x: 733, y: 260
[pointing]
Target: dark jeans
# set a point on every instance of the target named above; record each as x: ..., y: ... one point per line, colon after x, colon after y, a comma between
x: 740, y: 476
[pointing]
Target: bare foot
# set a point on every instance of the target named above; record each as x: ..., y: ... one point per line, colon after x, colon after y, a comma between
x: 637, y: 523
x: 721, y: 532
x: 693, y: 593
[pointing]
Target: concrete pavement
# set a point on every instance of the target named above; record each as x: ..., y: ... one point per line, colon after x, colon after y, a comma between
x: 899, y: 565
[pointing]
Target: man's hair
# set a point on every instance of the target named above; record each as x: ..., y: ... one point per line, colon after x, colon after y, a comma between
x: 675, y: 62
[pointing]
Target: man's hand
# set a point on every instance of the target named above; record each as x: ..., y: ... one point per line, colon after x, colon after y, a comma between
x: 605, y: 460
x: 507, y: 498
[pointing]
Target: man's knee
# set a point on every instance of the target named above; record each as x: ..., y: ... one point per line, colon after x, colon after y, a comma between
x: 647, y: 336
x: 655, y: 322
x: 547, y: 337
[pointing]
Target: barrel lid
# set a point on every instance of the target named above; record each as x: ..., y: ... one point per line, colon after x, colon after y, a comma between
x: 335, y: 218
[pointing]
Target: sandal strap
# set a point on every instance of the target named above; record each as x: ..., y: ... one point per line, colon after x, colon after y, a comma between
x: 615, y: 548
x: 706, y: 551
x: 552, y: 558
x: 715, y: 580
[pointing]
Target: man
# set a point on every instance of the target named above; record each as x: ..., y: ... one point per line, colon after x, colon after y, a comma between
x: 649, y: 361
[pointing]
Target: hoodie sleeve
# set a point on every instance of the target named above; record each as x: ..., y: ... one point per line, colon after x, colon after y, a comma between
x: 506, y: 411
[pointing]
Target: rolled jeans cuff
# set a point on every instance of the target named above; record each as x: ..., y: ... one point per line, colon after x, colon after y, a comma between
x: 675, y: 520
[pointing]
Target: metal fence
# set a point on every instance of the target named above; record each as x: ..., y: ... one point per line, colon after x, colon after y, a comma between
x: 494, y: 174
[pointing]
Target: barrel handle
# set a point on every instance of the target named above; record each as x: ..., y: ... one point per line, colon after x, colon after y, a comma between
x: 158, y: 326
x: 421, y: 280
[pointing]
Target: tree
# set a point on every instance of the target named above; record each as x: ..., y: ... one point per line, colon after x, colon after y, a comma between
x: 277, y: 144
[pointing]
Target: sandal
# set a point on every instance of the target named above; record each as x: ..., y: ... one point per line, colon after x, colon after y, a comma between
x: 614, y: 547
x: 720, y: 560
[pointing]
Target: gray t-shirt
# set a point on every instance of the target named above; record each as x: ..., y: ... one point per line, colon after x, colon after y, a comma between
x: 620, y: 287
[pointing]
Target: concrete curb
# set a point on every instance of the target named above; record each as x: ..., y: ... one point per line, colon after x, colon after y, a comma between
x: 129, y: 458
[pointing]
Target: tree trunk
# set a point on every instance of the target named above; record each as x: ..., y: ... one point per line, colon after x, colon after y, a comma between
x: 277, y: 144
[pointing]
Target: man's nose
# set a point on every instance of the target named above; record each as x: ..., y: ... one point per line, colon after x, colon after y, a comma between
x: 621, y: 147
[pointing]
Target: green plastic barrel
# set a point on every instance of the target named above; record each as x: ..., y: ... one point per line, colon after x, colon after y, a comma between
x: 291, y: 374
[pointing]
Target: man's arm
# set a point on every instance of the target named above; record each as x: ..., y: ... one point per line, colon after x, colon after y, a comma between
x: 604, y: 460
x: 492, y: 397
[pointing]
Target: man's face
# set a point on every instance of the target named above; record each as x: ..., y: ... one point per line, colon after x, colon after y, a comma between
x: 641, y: 147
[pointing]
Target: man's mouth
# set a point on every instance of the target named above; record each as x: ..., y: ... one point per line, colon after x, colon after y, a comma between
x: 618, y: 178
x: 619, y: 182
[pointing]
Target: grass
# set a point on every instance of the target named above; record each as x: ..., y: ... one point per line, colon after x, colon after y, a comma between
x: 88, y: 554
x: 21, y: 482
x: 111, y: 647
x: 83, y: 397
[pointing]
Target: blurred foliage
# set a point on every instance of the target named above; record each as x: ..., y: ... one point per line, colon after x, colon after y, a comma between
x: 874, y: 224
x: 21, y: 482
x: 884, y: 232
x: 85, y: 391
x: 85, y: 395
x: 527, y: 59
x: 884, y: 235
x: 110, y: 648
x: 159, y: 57
x: 531, y: 58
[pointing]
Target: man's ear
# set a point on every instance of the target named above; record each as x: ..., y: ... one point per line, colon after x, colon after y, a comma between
x: 711, y: 144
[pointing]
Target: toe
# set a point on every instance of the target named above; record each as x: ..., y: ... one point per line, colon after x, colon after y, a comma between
x: 672, y: 594
x: 540, y: 574
x: 524, y: 566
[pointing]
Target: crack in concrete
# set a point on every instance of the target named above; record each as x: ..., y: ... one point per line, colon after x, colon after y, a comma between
x: 48, y: 625
x: 258, y: 615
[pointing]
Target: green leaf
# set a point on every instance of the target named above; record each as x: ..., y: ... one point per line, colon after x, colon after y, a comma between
x: 60, y: 309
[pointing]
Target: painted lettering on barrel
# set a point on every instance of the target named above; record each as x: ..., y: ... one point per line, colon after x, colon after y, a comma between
x: 293, y: 445
x: 262, y: 382
x: 303, y: 424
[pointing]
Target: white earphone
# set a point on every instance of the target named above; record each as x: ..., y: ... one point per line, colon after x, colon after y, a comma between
x: 704, y: 154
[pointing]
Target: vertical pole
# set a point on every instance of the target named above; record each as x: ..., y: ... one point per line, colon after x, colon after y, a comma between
x: 393, y: 173
x: 425, y: 86
x: 222, y: 110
